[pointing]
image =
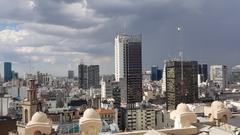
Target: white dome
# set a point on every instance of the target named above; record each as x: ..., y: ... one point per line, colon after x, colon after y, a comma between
x: 39, y: 117
x: 91, y: 113
x: 182, y: 108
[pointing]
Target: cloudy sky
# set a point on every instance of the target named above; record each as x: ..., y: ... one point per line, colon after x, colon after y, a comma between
x: 55, y: 35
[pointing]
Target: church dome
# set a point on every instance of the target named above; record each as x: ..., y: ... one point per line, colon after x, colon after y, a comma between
x: 39, y: 117
x: 91, y: 113
x: 182, y: 108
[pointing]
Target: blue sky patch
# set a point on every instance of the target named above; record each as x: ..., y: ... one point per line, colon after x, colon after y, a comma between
x: 12, y: 26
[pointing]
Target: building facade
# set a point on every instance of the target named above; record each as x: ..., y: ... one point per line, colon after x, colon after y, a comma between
x: 93, y: 76
x: 88, y: 76
x: 70, y: 74
x: 181, y: 83
x: 82, y: 76
x: 218, y: 74
x: 156, y: 73
x: 140, y: 119
x: 235, y: 74
x: 7, y: 71
x: 128, y: 65
x: 203, y: 71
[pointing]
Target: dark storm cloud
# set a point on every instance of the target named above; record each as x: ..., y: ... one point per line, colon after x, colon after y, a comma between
x: 81, y: 29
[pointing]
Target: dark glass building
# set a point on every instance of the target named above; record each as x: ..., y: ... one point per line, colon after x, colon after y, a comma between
x: 133, y: 68
x: 93, y: 76
x: 70, y: 74
x: 128, y: 67
x: 7, y: 71
x: 156, y: 73
x: 181, y: 83
x: 82, y: 76
x: 203, y: 70
x: 88, y: 76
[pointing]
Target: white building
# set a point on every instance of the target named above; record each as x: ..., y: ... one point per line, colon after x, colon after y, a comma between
x: 5, y: 104
x: 164, y: 79
x: 107, y: 88
x: 119, y: 65
x: 121, y: 41
x: 148, y: 118
x: 140, y: 119
x: 147, y: 76
x: 218, y: 74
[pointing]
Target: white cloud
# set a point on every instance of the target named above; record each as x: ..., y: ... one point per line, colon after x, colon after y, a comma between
x: 10, y: 36
x: 80, y: 11
x: 44, y: 59
x: 34, y: 58
x: 31, y: 4
x: 50, y: 60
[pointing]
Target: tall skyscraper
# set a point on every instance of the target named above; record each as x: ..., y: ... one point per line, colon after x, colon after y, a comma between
x: 156, y: 73
x: 88, y: 76
x: 93, y: 76
x: 128, y: 65
x: 82, y: 76
x: 164, y: 79
x: 7, y: 71
x: 181, y: 82
x: 218, y: 74
x: 70, y: 74
x: 203, y: 71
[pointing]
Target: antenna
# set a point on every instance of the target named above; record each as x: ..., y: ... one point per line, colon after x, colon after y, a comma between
x: 124, y: 27
x: 82, y: 61
x: 30, y: 66
x: 181, y: 59
x: 179, y: 30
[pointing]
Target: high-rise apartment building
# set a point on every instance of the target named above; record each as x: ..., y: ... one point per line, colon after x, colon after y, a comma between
x: 181, y: 82
x: 82, y: 76
x: 7, y: 71
x: 128, y: 65
x: 93, y: 76
x: 70, y: 74
x: 218, y: 74
x: 88, y: 76
x: 203, y: 72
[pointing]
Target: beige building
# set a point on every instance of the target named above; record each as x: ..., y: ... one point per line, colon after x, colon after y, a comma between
x: 107, y: 115
x: 148, y: 118
x: 218, y: 74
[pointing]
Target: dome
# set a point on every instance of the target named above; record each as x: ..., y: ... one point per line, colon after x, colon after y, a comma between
x: 91, y: 113
x: 216, y: 105
x: 182, y: 108
x: 39, y: 117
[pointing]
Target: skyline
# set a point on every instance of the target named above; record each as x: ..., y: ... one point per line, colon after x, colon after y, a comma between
x: 58, y: 35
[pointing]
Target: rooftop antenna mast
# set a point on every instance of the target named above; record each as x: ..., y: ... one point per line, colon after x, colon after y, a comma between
x: 82, y: 61
x: 179, y: 29
x: 30, y: 66
x: 124, y: 27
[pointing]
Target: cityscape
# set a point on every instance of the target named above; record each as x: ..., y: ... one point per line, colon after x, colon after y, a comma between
x: 124, y: 67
